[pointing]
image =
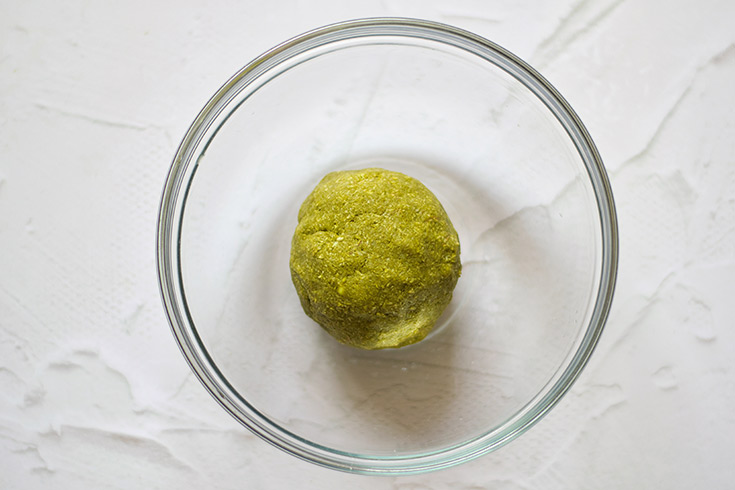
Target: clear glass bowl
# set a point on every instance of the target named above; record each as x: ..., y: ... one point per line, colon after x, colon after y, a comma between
x: 518, y: 175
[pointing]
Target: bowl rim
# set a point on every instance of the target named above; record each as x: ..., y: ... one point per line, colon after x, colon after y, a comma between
x: 169, y: 265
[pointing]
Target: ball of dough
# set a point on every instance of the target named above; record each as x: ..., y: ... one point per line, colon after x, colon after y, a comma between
x: 374, y: 258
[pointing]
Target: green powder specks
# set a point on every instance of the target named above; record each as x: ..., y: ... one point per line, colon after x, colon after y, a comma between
x: 374, y: 258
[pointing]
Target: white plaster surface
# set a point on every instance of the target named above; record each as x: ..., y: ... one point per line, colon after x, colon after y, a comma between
x: 94, y: 98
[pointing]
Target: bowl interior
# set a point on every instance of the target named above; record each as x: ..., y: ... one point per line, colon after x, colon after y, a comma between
x: 513, y: 181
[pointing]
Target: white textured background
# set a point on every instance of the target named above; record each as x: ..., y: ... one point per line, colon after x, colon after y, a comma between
x: 94, y: 97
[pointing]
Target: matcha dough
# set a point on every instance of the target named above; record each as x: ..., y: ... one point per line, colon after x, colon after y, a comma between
x: 374, y: 258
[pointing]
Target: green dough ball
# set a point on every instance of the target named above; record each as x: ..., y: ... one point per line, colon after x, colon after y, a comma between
x: 374, y: 258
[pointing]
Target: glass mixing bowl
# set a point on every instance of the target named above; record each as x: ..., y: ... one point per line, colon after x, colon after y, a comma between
x: 518, y: 175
